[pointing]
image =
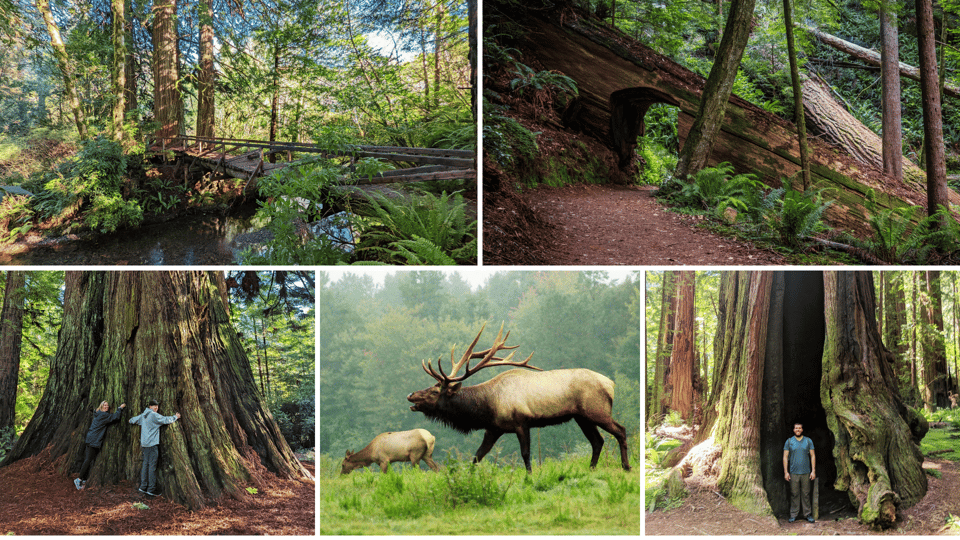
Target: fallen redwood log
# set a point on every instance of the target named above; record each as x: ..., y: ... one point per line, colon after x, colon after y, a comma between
x: 870, y: 56
x: 831, y: 121
x: 618, y: 78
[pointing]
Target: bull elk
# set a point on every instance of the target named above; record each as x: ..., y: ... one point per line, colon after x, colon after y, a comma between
x: 517, y: 400
x: 393, y: 446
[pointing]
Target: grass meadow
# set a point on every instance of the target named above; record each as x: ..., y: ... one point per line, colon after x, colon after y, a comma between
x: 559, y: 497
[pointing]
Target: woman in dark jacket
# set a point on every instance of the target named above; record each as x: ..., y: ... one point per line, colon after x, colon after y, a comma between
x: 98, y: 428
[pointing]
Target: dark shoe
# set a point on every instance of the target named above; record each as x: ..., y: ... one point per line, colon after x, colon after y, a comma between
x: 76, y: 482
x: 810, y: 519
x: 141, y: 490
x: 791, y: 520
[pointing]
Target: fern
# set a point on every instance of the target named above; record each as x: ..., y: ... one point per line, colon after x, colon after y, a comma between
x: 713, y: 188
x: 795, y: 215
x: 407, y: 227
x: 420, y: 251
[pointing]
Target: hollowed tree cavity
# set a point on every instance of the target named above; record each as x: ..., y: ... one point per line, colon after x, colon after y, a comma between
x: 628, y: 107
x: 792, y: 375
x: 805, y: 347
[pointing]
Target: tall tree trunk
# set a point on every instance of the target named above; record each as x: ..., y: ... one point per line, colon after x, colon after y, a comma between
x: 797, y: 95
x: 773, y: 373
x: 206, y: 83
x: 437, y: 47
x: 473, y: 37
x: 11, y: 336
x: 66, y: 70
x: 118, y: 70
x: 167, y: 100
x: 890, y: 84
x: 876, y: 450
x: 934, y: 366
x: 680, y: 386
x: 657, y: 407
x: 933, y: 150
x: 130, y: 78
x: 894, y: 317
x: 716, y: 92
x: 275, y: 101
x: 136, y: 336
x: 915, y: 341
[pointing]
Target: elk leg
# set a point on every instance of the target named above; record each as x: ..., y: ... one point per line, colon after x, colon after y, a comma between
x: 523, y: 434
x: 489, y: 439
x: 620, y: 433
x: 431, y: 463
x: 385, y: 466
x: 593, y: 435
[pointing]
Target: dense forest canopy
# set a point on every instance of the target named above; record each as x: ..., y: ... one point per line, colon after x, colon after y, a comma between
x: 906, y: 306
x: 373, y: 337
x: 293, y: 70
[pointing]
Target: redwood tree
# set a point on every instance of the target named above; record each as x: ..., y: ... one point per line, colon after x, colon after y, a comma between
x: 805, y: 346
x: 136, y: 336
x: 11, y: 336
x: 657, y: 407
x: 167, y: 100
x: 933, y: 150
x: 683, y: 372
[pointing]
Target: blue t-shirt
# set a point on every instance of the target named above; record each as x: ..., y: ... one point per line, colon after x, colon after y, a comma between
x: 799, y: 461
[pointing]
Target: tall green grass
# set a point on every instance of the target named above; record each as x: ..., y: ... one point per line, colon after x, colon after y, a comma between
x: 559, y: 497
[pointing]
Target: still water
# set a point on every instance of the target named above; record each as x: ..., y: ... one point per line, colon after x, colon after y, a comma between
x: 197, y: 240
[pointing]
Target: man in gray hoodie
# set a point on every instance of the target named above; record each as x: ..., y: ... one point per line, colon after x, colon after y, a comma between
x: 150, y: 422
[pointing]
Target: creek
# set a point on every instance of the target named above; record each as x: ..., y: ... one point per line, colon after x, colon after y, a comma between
x: 192, y: 240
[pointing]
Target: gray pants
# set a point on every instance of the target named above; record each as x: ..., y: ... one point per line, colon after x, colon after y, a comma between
x: 148, y: 472
x: 800, y: 494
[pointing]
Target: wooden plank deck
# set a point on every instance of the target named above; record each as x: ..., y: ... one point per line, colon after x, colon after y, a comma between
x: 249, y: 159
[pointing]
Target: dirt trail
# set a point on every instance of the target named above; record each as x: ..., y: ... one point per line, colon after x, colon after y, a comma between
x: 618, y: 225
x: 705, y: 512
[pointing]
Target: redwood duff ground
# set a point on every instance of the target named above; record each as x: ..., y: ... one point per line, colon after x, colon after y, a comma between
x: 36, y: 500
x: 705, y: 512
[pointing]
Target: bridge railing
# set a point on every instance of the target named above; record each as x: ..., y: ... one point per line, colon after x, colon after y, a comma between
x: 461, y: 159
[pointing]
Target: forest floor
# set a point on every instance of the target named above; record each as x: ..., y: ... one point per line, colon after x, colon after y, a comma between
x: 607, y: 225
x: 705, y: 512
x: 36, y: 502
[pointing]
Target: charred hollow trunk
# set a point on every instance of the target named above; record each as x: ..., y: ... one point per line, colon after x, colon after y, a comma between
x: 806, y: 347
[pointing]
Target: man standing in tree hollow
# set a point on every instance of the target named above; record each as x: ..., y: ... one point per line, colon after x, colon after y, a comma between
x: 150, y: 422
x: 800, y: 469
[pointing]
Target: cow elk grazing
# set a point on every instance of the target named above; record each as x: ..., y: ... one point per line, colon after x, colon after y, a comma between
x: 393, y: 446
x: 517, y: 400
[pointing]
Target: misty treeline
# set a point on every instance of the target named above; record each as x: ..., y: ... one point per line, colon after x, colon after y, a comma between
x: 374, y: 336
x: 918, y: 313
x: 273, y: 313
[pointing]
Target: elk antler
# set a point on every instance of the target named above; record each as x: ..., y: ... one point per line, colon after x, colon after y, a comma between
x: 488, y: 359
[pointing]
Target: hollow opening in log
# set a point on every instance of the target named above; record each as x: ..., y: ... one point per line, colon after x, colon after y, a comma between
x: 798, y: 349
x: 628, y: 108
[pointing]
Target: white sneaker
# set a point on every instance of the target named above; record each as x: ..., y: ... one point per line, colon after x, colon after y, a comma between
x: 76, y: 482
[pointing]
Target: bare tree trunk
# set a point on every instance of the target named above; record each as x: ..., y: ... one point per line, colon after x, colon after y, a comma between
x: 934, y: 366
x: 878, y: 461
x: 136, y: 336
x: 66, y: 70
x: 11, y: 336
x: 717, y: 90
x: 118, y: 70
x: 206, y: 87
x: 130, y: 101
x: 797, y: 95
x: 933, y: 150
x: 167, y: 101
x: 680, y: 385
x: 890, y: 76
x: 657, y: 407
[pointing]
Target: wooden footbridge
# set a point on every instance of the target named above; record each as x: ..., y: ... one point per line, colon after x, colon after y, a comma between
x: 251, y: 159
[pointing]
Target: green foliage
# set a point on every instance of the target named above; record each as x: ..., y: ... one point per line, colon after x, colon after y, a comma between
x: 504, y: 139
x: 659, y: 163
x: 8, y: 437
x: 713, y: 188
x: 795, y: 215
x: 896, y: 239
x: 140, y: 506
x: 89, y: 183
x: 467, y: 498
x: 425, y: 230
x: 251, y: 490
